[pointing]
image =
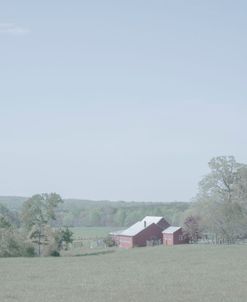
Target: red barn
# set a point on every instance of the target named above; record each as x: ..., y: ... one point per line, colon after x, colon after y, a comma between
x: 149, y: 229
x: 173, y: 235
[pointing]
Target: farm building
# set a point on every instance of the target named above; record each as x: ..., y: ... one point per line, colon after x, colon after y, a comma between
x: 173, y: 235
x: 148, y: 231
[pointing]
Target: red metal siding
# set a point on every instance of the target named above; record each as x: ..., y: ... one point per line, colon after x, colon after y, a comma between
x: 125, y: 242
x: 178, y: 237
x: 152, y: 232
x: 174, y: 239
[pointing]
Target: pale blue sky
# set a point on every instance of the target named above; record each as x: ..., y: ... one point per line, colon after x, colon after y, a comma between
x: 120, y: 99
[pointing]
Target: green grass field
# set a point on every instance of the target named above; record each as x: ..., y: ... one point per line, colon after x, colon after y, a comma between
x: 182, y: 273
x: 91, y: 232
x: 88, y: 237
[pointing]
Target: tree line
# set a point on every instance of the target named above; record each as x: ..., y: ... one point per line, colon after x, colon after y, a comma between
x: 117, y: 214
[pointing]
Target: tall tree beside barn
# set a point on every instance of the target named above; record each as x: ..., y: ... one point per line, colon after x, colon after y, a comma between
x: 222, y: 199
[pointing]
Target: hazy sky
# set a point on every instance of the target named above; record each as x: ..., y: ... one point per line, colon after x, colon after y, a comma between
x: 120, y: 100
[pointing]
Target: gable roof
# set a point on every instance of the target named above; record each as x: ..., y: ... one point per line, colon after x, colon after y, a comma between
x: 140, y: 225
x: 151, y: 219
x: 134, y: 229
x: 171, y: 230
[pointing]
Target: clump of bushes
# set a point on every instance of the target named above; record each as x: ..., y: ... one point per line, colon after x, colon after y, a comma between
x: 12, y: 244
x: 109, y: 242
x: 29, y: 251
x: 55, y: 253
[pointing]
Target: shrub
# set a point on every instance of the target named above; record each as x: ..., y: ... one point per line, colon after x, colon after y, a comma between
x: 13, y: 244
x: 28, y: 251
x: 54, y: 254
x: 109, y: 242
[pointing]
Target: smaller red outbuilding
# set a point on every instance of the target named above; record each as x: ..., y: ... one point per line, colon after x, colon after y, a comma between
x: 173, y: 235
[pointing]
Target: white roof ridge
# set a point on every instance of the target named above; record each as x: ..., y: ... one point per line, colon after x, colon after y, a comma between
x: 171, y: 229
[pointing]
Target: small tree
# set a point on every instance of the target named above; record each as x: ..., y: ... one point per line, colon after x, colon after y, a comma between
x: 109, y: 242
x: 192, y: 229
x: 64, y: 237
x: 37, y: 236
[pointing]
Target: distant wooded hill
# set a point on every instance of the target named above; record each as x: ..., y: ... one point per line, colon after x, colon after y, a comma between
x: 79, y: 212
x: 12, y: 202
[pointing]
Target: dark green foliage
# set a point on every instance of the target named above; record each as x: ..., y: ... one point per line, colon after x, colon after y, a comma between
x: 64, y: 237
x: 192, y: 229
x: 55, y: 253
x: 10, y: 217
x: 13, y: 244
x: 67, y: 235
x: 221, y: 202
x: 109, y: 242
x: 40, y: 209
x: 117, y: 214
x: 29, y: 251
x: 4, y: 223
x: 37, y: 214
x: 79, y: 213
x: 44, y: 239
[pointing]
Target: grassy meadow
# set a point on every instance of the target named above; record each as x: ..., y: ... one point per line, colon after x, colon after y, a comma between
x: 181, y: 273
x: 88, y: 237
x: 91, y: 232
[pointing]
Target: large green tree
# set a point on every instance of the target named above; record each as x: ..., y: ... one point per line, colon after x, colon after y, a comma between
x: 222, y: 199
x: 38, y: 212
x: 40, y: 209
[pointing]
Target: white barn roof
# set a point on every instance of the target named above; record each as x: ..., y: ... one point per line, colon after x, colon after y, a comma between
x: 151, y: 219
x: 171, y: 230
x: 140, y: 225
x: 134, y: 229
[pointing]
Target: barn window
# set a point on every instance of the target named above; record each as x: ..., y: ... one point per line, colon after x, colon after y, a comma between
x: 180, y: 237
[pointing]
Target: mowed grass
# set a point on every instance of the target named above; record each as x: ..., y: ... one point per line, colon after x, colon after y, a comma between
x: 91, y: 232
x: 181, y: 273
